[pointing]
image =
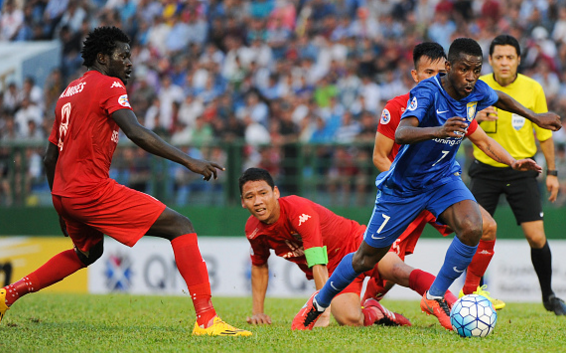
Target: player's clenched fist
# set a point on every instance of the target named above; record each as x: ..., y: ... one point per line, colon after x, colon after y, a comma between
x: 453, y: 127
x: 548, y: 120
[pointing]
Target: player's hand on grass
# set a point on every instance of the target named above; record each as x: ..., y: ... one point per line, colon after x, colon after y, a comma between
x: 205, y: 168
x: 259, y: 319
x: 552, y: 186
x: 526, y: 164
x: 488, y: 114
x: 453, y: 127
x: 548, y: 120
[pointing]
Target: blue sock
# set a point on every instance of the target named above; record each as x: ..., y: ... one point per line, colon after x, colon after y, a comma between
x: 458, y: 257
x: 343, y: 275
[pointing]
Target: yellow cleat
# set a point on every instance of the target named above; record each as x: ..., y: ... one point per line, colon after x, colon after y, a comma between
x: 3, y: 306
x: 219, y: 328
x: 497, y: 303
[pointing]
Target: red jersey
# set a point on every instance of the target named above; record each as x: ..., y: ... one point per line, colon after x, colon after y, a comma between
x: 391, y: 116
x: 85, y: 133
x: 303, y: 224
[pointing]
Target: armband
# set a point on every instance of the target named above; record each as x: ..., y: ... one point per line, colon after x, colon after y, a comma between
x: 551, y: 172
x: 316, y: 256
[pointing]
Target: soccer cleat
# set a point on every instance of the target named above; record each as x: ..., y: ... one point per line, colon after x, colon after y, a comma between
x: 438, y: 308
x: 3, y: 306
x: 219, y: 328
x: 553, y: 304
x: 497, y: 303
x: 307, y: 316
x: 389, y: 318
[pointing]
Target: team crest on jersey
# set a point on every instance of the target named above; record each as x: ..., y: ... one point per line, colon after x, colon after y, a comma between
x: 471, y: 110
x: 413, y: 104
x: 385, y: 117
x: 116, y: 84
x: 123, y: 101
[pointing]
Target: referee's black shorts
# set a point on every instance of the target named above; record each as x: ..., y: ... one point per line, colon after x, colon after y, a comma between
x: 520, y: 188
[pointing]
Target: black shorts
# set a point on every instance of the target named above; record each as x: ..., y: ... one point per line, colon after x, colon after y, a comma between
x: 520, y: 188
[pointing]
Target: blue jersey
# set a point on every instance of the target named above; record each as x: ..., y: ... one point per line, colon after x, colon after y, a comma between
x: 432, y: 163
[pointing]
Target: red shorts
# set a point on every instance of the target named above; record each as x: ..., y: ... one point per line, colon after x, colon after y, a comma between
x: 117, y: 211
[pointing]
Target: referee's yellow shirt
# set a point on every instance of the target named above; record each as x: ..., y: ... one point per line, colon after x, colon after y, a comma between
x: 512, y: 131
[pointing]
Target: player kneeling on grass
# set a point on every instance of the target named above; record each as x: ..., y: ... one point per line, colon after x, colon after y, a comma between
x: 88, y: 116
x: 316, y: 239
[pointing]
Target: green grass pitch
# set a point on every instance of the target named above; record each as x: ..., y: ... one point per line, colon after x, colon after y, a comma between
x: 47, y: 322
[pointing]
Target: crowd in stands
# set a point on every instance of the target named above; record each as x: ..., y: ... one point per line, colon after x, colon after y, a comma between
x: 268, y: 72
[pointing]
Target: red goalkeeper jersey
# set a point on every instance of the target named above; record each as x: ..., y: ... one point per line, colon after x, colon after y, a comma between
x: 303, y: 224
x: 85, y: 133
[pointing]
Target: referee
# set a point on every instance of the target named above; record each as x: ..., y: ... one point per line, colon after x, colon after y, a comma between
x: 489, y: 178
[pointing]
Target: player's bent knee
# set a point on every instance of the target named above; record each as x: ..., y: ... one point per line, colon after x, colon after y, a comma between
x: 94, y: 253
x: 489, y: 229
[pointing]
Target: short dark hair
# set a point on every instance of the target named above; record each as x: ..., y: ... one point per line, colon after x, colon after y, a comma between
x: 505, y: 39
x: 255, y: 174
x: 101, y: 40
x: 431, y: 50
x: 463, y: 46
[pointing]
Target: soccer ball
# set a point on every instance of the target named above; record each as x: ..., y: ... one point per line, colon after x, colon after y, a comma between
x: 473, y: 316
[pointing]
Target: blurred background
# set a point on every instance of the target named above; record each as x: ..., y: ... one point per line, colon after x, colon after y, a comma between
x: 292, y: 86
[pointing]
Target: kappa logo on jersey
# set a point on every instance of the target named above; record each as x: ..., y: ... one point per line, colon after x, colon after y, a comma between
x: 123, y: 101
x: 471, y: 110
x: 385, y: 117
x: 116, y: 84
x: 413, y: 104
x: 303, y: 218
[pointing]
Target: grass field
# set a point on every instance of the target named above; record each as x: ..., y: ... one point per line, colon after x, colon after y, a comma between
x: 45, y: 322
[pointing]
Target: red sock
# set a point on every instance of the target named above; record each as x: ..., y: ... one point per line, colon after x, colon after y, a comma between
x: 193, y: 270
x: 420, y: 281
x: 478, y: 266
x: 54, y: 270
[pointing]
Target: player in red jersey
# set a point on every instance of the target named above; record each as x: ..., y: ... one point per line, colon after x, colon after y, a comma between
x: 88, y: 116
x: 306, y: 233
x: 429, y: 59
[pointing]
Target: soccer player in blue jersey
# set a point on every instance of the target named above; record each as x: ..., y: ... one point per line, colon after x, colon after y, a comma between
x: 426, y: 176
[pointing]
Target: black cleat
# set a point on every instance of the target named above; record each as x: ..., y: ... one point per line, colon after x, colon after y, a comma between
x: 555, y: 304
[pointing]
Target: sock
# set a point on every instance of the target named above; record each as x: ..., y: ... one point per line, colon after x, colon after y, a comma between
x: 458, y: 257
x: 420, y: 281
x: 478, y: 266
x: 542, y: 262
x: 193, y: 269
x: 54, y: 270
x: 371, y: 315
x: 343, y: 275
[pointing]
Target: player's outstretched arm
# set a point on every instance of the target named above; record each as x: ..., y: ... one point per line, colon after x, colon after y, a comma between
x: 548, y: 120
x: 149, y: 141
x: 260, y: 279
x: 496, y: 152
x: 409, y: 132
